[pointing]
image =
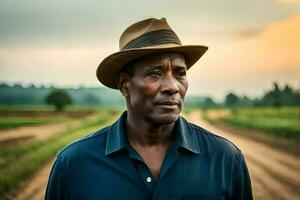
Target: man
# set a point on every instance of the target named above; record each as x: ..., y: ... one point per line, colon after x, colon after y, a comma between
x: 150, y: 152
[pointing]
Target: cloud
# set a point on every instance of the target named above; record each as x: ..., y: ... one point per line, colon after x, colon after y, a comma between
x: 247, y: 32
x: 71, y: 23
x: 52, y: 65
x: 288, y: 1
x: 273, y: 47
x: 251, y: 61
x: 281, y: 41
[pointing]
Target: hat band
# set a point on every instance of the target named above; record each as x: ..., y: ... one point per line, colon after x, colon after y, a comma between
x: 152, y: 38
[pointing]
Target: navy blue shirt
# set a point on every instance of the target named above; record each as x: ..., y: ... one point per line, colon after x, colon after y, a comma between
x: 103, y: 166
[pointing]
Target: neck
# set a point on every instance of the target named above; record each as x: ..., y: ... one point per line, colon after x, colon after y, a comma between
x: 145, y: 134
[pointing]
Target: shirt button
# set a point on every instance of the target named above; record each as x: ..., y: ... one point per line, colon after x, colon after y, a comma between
x: 149, y: 179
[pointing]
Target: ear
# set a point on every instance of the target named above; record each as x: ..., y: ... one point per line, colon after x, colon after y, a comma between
x: 122, y: 80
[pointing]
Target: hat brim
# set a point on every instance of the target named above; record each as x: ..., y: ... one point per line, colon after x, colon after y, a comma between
x: 113, y: 63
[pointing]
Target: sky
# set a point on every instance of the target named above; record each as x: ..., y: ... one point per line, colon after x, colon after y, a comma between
x: 61, y: 42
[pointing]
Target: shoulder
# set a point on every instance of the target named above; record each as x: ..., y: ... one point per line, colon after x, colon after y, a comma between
x: 212, y: 143
x: 87, y: 145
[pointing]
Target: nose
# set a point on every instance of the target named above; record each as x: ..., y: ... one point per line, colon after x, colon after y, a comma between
x: 169, y: 84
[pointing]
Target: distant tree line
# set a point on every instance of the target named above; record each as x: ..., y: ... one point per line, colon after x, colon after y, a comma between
x: 277, y: 96
x: 33, y: 95
x: 18, y: 94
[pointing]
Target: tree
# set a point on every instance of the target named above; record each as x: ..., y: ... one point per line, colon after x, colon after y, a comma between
x: 58, y: 98
x: 208, y: 102
x: 91, y: 99
x: 277, y: 95
x: 273, y: 97
x: 288, y: 96
x: 246, y: 101
x: 231, y: 99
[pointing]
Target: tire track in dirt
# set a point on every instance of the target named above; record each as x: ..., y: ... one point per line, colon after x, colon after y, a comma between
x: 35, y: 132
x: 34, y: 188
x: 39, y: 132
x: 271, y: 177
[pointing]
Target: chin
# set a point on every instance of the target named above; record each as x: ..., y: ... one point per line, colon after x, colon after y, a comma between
x: 166, y: 118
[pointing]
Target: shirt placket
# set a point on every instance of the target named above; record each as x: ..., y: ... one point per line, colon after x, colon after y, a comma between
x: 145, y: 174
x: 143, y: 171
x: 170, y: 159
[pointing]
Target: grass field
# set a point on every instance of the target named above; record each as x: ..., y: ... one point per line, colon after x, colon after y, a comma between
x: 14, y: 122
x: 20, y: 161
x: 31, y: 115
x: 283, y: 122
x: 51, y: 108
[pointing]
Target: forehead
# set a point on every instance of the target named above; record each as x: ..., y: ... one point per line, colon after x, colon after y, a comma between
x: 161, y: 59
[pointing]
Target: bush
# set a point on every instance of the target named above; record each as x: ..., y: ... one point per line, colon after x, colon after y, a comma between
x: 58, y: 98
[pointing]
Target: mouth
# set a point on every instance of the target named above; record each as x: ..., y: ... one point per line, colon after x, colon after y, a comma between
x: 171, y: 105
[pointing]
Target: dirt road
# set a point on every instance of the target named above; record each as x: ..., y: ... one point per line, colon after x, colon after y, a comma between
x: 275, y: 175
x: 38, y: 132
x: 30, y: 132
x: 34, y: 189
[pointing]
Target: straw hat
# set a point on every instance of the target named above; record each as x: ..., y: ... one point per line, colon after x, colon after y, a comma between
x: 141, y: 39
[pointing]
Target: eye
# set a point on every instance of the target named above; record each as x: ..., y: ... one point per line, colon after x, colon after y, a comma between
x: 155, y: 73
x: 181, y: 73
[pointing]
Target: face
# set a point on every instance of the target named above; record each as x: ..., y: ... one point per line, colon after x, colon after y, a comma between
x: 156, y: 90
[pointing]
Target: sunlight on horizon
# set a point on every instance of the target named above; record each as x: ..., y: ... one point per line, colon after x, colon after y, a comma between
x: 245, y: 54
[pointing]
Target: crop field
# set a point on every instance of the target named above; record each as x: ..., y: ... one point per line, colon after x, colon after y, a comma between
x: 22, y: 159
x: 19, y: 159
x: 28, y: 115
x: 283, y: 122
x: 14, y: 122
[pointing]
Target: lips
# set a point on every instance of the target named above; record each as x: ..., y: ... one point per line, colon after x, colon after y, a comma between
x: 167, y: 104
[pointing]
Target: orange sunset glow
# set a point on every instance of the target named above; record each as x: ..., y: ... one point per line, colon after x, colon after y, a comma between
x: 250, y: 46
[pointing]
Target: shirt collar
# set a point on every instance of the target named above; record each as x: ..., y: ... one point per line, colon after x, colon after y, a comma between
x: 186, y: 137
x: 117, y: 139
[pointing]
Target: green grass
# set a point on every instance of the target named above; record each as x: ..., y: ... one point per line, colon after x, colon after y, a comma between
x: 26, y: 108
x: 282, y: 127
x: 14, y: 122
x: 13, y: 116
x: 284, y: 112
x: 45, y: 107
x: 21, y: 161
x: 283, y: 122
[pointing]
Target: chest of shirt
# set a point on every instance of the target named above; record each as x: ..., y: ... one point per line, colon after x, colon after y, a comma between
x: 181, y: 177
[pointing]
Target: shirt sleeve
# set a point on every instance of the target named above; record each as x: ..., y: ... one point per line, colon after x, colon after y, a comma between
x: 57, y: 187
x: 242, y: 189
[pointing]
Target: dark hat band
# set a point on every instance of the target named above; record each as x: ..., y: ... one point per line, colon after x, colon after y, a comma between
x: 157, y: 37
